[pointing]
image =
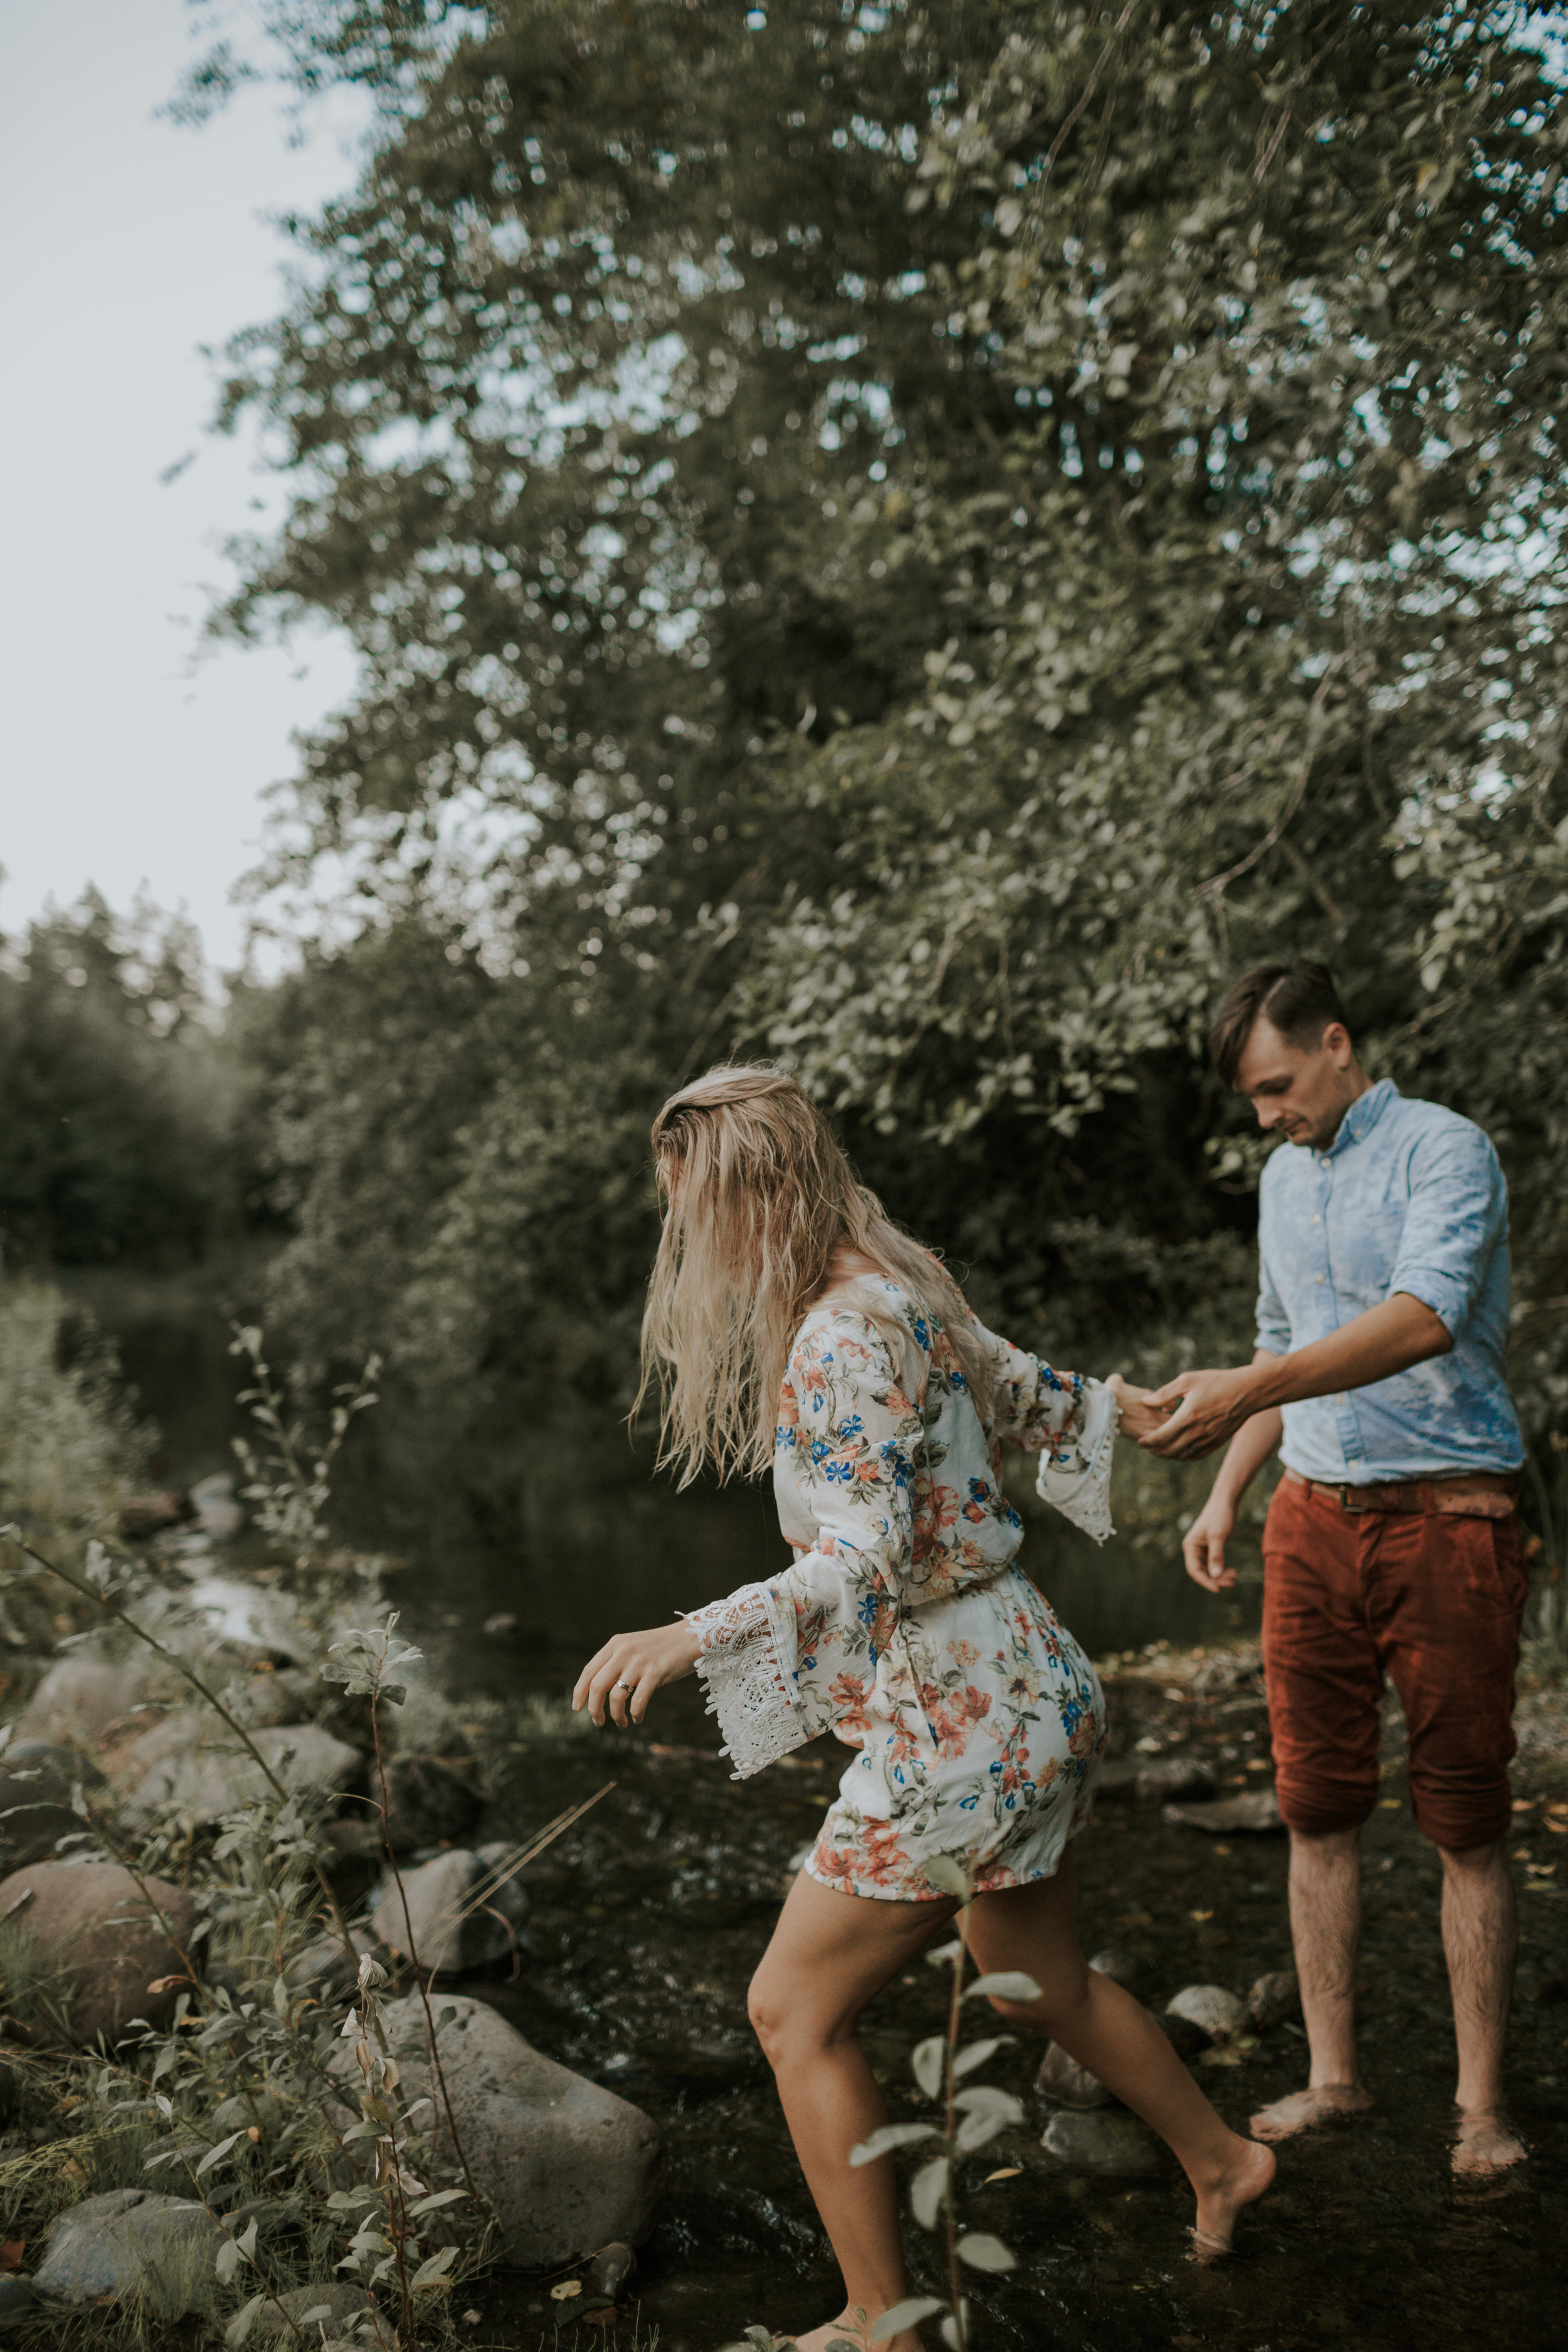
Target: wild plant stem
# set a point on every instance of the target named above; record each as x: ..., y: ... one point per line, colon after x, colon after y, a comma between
x: 440, y: 2071
x: 950, y: 2127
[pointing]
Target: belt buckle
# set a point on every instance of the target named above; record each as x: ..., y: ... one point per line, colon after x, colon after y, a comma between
x: 1345, y: 1502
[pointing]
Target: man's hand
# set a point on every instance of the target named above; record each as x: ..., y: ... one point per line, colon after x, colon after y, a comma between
x: 1200, y: 1412
x: 624, y: 1675
x: 1139, y: 1416
x: 1203, y: 1546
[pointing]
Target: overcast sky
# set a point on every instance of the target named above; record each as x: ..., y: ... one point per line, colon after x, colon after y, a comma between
x: 129, y: 244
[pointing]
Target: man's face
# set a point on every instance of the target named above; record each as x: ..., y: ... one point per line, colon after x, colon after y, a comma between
x: 1300, y: 1092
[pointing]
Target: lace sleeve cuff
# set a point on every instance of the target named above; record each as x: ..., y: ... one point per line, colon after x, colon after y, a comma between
x: 747, y: 1666
x: 1074, y: 1478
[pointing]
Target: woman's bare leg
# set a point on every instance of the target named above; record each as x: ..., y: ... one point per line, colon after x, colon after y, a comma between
x: 1099, y: 2024
x: 830, y: 1955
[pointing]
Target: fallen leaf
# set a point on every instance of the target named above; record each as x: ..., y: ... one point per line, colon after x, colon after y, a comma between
x: 10, y: 2253
x: 1200, y: 1915
x: 1392, y: 1804
x: 167, y: 1984
x: 1008, y: 2172
x: 1558, y: 1829
x: 565, y: 2291
x: 253, y: 2131
x: 1221, y: 1849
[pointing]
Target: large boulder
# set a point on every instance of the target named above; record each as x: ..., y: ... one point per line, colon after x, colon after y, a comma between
x: 36, y: 1799
x: 193, y: 1766
x: 1275, y: 1998
x: 136, y: 2247
x: 81, y: 1697
x: 434, y: 1919
x: 567, y: 2166
x: 85, y: 1942
x: 1067, y: 2084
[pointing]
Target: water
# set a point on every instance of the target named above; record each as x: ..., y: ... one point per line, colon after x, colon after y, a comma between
x: 650, y: 1916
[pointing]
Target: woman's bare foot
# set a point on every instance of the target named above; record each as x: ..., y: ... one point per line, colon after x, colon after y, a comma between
x: 1325, y: 2103
x: 852, y: 2330
x: 1246, y: 2177
x: 1486, y: 2144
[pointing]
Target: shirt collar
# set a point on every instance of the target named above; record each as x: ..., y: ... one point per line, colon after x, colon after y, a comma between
x: 1363, y: 1116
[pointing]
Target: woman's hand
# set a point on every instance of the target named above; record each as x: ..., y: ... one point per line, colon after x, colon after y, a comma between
x: 624, y: 1675
x: 1139, y: 1418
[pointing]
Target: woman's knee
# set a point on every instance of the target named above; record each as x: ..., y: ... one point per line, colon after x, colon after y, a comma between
x: 787, y: 2024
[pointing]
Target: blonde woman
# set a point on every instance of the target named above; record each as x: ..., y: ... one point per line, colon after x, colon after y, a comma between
x: 789, y: 1324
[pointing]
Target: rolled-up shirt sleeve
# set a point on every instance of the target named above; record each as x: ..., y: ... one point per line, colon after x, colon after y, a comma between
x: 1457, y: 1216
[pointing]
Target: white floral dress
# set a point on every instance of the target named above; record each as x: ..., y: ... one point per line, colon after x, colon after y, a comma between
x: 904, y: 1626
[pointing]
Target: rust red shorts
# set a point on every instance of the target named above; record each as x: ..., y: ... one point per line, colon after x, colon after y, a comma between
x: 1432, y: 1601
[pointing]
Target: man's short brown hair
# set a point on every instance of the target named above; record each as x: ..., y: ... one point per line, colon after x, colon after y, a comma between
x: 1300, y: 1000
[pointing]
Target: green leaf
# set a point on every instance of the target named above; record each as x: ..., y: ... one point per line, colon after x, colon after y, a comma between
x: 244, y: 2320
x: 984, y: 2253
x: 908, y: 2314
x: 977, y: 2052
x: 887, y: 2137
x: 928, y: 2061
x: 927, y: 2190
x: 1005, y: 1984
x: 433, y: 2271
x: 945, y: 1874
x: 215, y: 2155
x: 440, y: 2197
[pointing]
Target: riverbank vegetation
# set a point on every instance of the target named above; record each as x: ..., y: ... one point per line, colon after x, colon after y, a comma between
x: 916, y: 543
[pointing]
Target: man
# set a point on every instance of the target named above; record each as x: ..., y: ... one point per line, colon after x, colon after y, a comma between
x: 1392, y: 1543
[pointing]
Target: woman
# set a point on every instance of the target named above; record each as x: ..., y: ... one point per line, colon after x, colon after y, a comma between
x: 789, y: 1322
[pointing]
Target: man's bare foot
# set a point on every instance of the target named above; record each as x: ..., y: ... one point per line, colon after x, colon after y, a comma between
x: 1250, y: 2174
x: 1486, y: 2144
x: 1325, y: 2103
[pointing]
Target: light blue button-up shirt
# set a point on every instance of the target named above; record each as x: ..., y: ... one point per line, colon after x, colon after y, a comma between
x: 1408, y: 1197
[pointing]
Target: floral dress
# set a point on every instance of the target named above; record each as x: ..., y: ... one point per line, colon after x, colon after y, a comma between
x: 904, y: 1626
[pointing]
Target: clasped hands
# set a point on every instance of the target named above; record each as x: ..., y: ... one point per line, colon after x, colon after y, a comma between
x: 1191, y: 1415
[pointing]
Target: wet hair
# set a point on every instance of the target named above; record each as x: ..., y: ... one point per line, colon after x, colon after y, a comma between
x: 758, y: 1196
x: 1300, y: 1000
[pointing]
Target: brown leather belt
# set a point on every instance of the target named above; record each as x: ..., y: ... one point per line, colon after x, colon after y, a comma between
x: 1469, y: 1495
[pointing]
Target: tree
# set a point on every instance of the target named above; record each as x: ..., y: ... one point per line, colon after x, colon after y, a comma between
x: 918, y: 539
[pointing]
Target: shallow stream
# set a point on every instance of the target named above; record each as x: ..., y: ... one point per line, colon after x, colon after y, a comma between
x: 649, y: 1918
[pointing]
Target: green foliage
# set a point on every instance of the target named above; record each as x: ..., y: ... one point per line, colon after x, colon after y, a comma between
x: 916, y: 541
x: 117, y: 1096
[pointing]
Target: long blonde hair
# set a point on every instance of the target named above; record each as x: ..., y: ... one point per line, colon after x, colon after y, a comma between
x: 757, y: 1198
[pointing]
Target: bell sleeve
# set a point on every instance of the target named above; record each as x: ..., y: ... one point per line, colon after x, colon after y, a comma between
x: 1070, y: 1423
x: 797, y: 1656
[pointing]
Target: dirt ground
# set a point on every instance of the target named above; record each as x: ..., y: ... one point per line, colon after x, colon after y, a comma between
x: 648, y: 1921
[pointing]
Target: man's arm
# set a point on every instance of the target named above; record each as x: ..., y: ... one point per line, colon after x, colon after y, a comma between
x: 1203, y: 1546
x: 1211, y: 1406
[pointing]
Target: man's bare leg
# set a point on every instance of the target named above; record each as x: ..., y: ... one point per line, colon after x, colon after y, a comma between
x: 1481, y: 1939
x: 1325, y: 1924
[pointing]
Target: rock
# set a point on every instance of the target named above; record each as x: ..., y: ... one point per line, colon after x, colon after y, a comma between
x: 337, y: 2304
x: 429, y: 1799
x: 148, y: 1515
x: 1119, y: 2146
x: 324, y: 1967
x: 1151, y: 1779
x: 565, y: 2165
x: 82, y: 1937
x: 1061, y: 2078
x: 1274, y: 1998
x: 250, y: 1615
x: 193, y: 1766
x: 608, y: 2272
x: 80, y: 1698
x: 425, y: 1919
x: 218, y: 1512
x: 34, y: 1812
x: 1221, y: 2015
x: 286, y: 1695
x: 136, y: 2245
x: 1187, y: 2040
x: 1233, y: 1670
x: 1123, y: 1967
x: 1257, y: 1811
